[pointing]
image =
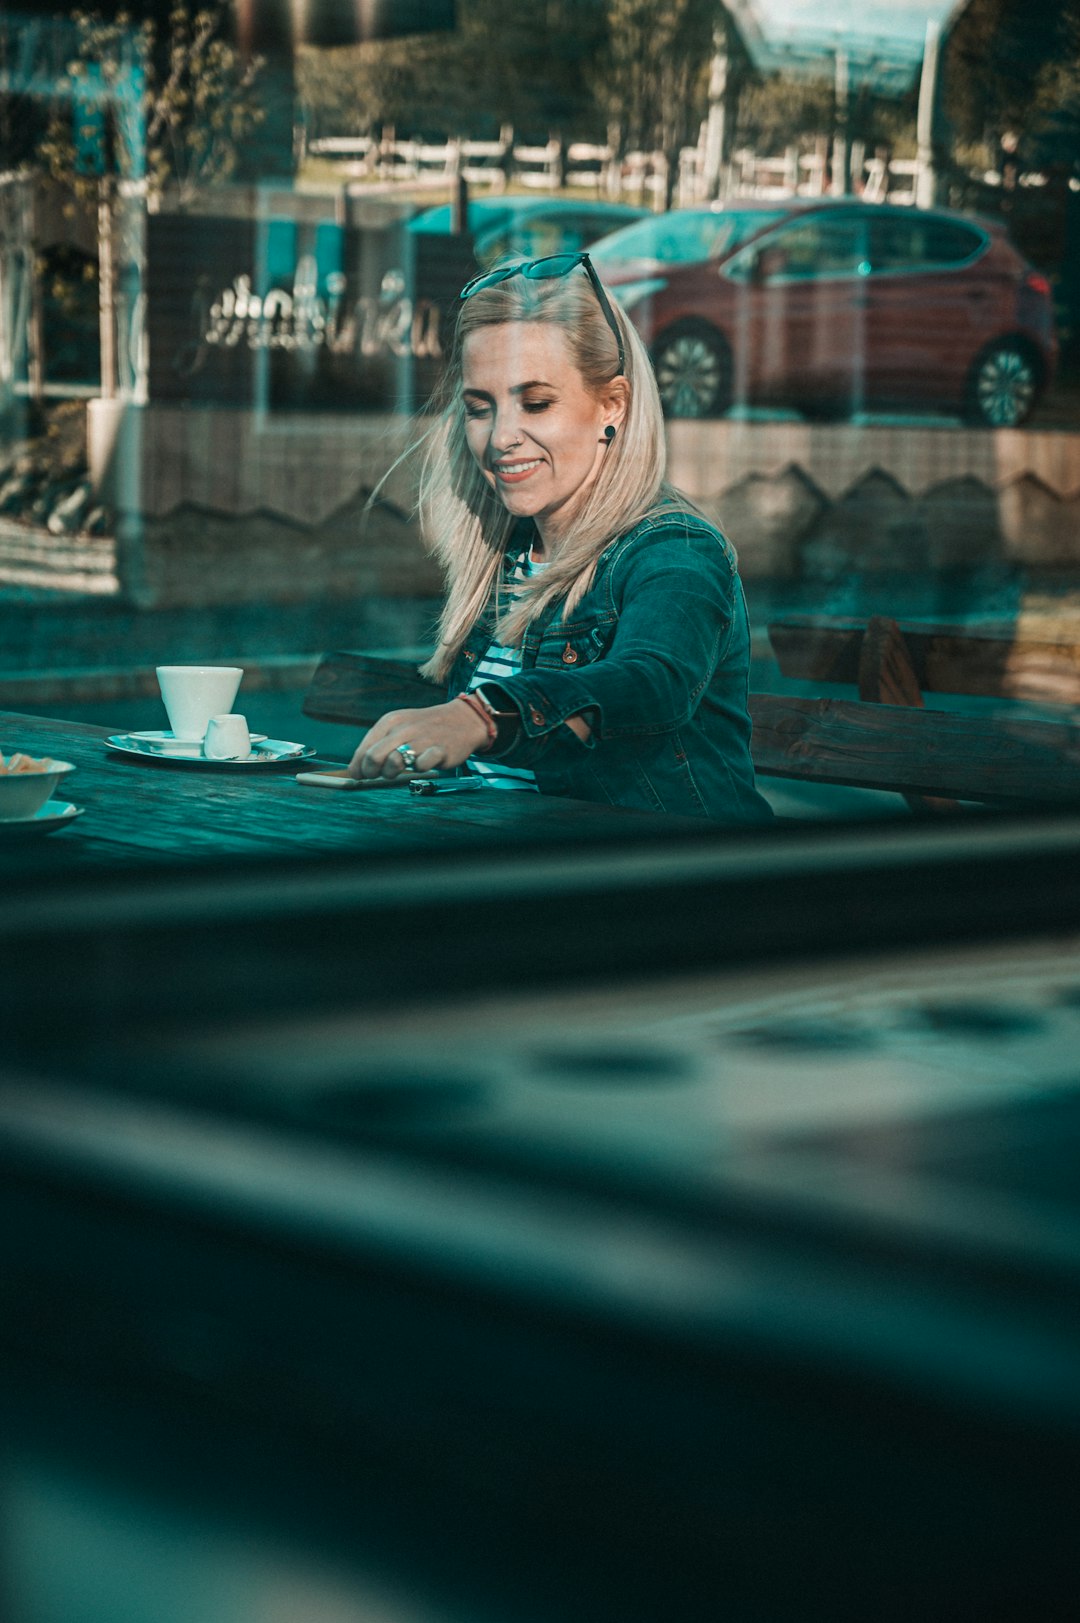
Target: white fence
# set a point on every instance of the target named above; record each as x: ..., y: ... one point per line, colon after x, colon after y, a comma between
x: 580, y: 166
x: 640, y: 177
x: 808, y: 174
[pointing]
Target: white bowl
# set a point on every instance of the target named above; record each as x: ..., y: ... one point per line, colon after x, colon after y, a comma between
x: 24, y: 793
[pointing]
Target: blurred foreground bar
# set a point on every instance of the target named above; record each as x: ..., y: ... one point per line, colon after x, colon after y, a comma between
x: 399, y: 1278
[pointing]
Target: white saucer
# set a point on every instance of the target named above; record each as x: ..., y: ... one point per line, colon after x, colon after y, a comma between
x: 267, y: 752
x: 54, y: 814
x: 166, y: 743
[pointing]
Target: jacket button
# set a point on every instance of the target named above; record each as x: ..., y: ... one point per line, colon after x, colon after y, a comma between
x: 537, y: 717
x: 569, y: 655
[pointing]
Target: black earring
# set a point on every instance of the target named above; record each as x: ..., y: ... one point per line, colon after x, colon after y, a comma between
x: 609, y: 432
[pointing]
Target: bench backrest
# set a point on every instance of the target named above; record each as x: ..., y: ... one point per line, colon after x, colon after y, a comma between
x: 1033, y: 658
x: 910, y: 751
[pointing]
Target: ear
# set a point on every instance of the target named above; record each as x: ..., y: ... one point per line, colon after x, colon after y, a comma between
x: 615, y: 402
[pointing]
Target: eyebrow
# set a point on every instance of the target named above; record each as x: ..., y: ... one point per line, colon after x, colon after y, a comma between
x: 517, y: 388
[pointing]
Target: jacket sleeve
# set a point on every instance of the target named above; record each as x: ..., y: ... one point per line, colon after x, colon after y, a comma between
x: 676, y: 598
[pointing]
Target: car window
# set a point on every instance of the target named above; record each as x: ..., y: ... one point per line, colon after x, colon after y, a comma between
x: 822, y: 245
x: 527, y: 238
x: 594, y: 226
x: 537, y: 231
x: 483, y: 217
x: 681, y: 237
x: 916, y: 242
x: 531, y: 236
x: 668, y: 237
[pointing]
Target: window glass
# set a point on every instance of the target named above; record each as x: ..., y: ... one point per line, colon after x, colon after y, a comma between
x: 820, y: 246
x: 679, y: 237
x: 538, y: 874
x: 899, y: 242
x: 232, y: 249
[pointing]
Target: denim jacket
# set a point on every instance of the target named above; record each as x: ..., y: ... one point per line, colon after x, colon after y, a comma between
x: 657, y: 656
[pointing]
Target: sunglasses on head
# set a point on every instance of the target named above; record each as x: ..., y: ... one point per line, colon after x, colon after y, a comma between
x: 539, y: 270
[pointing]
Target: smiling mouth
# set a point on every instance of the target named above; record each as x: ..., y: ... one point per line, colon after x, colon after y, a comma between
x: 516, y: 470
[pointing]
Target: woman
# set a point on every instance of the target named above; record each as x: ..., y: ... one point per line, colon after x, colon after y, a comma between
x: 594, y: 640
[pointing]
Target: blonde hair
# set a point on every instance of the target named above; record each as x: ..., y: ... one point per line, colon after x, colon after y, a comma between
x: 465, y: 525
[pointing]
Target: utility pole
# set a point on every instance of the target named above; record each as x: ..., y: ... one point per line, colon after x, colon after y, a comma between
x: 926, y: 176
x: 107, y: 286
x: 840, y: 186
x: 717, y: 136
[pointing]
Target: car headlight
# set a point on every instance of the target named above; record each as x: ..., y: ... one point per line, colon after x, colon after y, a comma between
x: 630, y: 294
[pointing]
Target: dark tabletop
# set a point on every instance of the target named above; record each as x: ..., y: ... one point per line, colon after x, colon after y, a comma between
x: 149, y: 810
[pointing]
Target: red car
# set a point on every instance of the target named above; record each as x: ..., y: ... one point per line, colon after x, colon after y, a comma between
x: 835, y: 304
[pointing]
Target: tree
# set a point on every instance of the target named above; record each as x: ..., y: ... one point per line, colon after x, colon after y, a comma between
x: 170, y: 111
x: 651, y: 80
x: 1055, y: 104
x: 1013, y: 93
x: 503, y: 65
x: 141, y: 114
x: 330, y: 91
x: 779, y: 111
x: 996, y: 52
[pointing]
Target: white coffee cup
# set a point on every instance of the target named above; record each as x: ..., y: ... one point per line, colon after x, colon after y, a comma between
x: 194, y: 693
x: 227, y: 739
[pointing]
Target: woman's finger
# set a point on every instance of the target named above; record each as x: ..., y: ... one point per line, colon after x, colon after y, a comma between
x: 408, y: 759
x: 376, y: 760
x: 379, y: 752
x: 392, y: 763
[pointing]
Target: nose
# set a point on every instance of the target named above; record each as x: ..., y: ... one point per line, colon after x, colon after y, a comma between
x: 506, y: 433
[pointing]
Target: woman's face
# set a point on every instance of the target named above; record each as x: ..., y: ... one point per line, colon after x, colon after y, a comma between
x: 534, y: 427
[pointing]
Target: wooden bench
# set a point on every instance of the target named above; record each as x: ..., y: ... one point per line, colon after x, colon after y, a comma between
x: 901, y: 748
x: 916, y: 753
x: 1034, y: 658
x: 358, y: 688
x: 893, y: 663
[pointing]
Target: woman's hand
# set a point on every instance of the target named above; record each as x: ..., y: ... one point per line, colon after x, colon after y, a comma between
x: 441, y: 736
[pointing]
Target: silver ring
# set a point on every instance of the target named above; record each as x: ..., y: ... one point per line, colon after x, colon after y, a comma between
x: 408, y: 755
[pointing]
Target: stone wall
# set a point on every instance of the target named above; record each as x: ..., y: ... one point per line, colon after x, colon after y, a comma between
x: 193, y: 555
x: 814, y: 502
x: 221, y: 506
x: 217, y: 506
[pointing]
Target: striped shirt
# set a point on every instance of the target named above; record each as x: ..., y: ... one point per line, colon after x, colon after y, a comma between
x: 495, y: 666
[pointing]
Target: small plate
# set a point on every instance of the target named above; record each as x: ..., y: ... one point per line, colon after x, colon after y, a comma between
x: 268, y: 752
x: 54, y: 814
x: 168, y: 744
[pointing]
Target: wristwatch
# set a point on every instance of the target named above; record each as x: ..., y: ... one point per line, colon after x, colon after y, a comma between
x: 506, y: 722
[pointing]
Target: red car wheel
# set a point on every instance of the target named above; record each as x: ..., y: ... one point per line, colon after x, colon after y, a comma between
x: 692, y: 363
x: 1004, y: 385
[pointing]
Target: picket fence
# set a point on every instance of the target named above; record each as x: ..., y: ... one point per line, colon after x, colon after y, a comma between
x: 636, y: 177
